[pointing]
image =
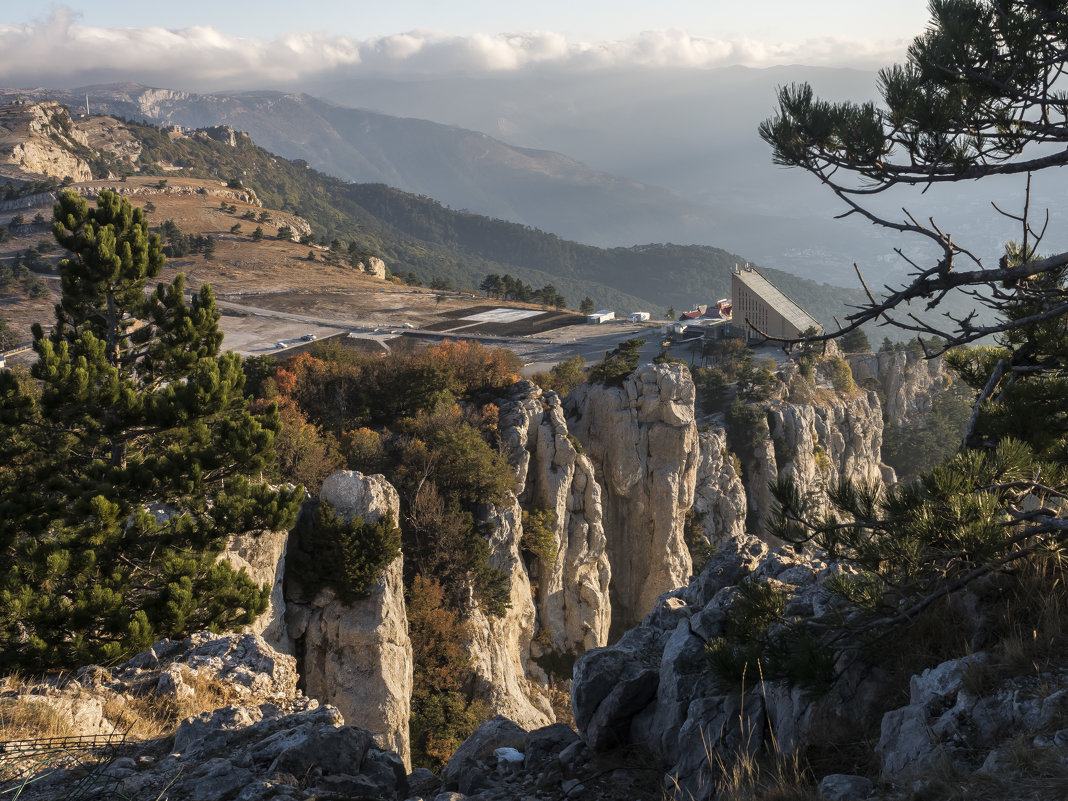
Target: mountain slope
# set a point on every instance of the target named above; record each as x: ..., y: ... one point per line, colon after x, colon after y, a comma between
x: 416, y: 234
x: 465, y: 169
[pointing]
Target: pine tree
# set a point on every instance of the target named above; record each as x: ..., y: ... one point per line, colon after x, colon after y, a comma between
x: 125, y: 460
x: 974, y: 99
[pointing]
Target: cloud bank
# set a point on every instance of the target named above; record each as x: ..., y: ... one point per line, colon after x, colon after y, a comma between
x: 58, y: 51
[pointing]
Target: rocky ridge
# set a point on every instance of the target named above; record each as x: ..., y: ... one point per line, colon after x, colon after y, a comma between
x: 658, y: 689
x: 907, y: 380
x: 573, y: 607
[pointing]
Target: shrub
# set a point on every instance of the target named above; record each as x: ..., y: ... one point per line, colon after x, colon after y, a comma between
x: 539, y: 536
x: 346, y: 556
x: 841, y: 376
x: 712, y: 388
x: 701, y: 550
x: 619, y: 363
x: 563, y: 377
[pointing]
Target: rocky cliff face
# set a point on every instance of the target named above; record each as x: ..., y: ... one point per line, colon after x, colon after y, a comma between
x: 37, y: 140
x: 908, y: 381
x: 574, y: 611
x: 359, y: 657
x: 262, y: 555
x: 642, y: 440
x: 719, y: 501
x: 657, y: 688
x: 824, y: 437
x: 500, y: 647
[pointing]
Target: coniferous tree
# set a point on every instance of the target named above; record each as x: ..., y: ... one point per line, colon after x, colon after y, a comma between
x: 124, y: 463
x: 974, y: 99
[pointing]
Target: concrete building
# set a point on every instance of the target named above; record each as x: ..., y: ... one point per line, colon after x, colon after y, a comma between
x: 638, y: 317
x: 759, y: 303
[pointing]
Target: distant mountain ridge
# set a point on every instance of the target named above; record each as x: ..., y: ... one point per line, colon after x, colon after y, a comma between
x: 416, y: 234
x: 462, y: 168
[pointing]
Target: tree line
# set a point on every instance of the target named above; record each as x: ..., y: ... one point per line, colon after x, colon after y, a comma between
x: 505, y: 287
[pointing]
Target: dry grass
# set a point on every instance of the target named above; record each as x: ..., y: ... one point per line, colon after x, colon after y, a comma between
x: 154, y: 716
x: 560, y: 698
x: 769, y: 776
x: 144, y: 717
x: 31, y: 718
x: 1028, y: 625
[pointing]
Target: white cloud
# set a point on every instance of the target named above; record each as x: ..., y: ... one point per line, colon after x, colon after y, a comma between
x: 59, y: 51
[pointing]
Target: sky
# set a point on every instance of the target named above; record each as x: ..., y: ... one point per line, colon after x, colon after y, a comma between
x: 206, y: 44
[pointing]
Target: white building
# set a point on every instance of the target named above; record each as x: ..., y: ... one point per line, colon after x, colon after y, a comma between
x: 638, y: 317
x: 602, y: 316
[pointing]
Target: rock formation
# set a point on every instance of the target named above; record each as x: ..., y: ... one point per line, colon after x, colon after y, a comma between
x: 372, y: 265
x: 719, y: 501
x: 908, y: 381
x: 574, y: 612
x: 359, y: 657
x: 37, y: 140
x: 656, y: 686
x: 642, y: 440
x: 500, y: 647
x: 824, y: 436
x: 949, y: 728
x: 248, y: 731
x: 262, y: 555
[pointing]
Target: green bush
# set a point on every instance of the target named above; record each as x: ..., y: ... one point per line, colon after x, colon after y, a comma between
x: 712, y: 388
x: 539, y: 537
x: 346, y: 556
x: 563, y: 377
x: 701, y: 550
x: 619, y: 363
x: 841, y: 376
x: 747, y: 429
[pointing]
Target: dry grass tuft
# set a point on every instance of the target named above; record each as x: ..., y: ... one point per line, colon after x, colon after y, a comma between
x: 31, y: 718
x: 773, y: 776
x: 152, y: 716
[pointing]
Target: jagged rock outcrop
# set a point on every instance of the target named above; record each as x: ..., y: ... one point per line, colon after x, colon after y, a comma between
x: 642, y: 440
x: 833, y: 435
x: 262, y: 555
x: 502, y: 762
x: 908, y: 381
x: 255, y: 753
x: 949, y: 728
x: 374, y: 266
x: 500, y: 646
x: 189, y: 187
x: 719, y: 500
x: 574, y: 612
x: 358, y: 657
x: 656, y: 687
x: 218, y: 133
